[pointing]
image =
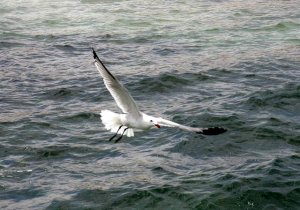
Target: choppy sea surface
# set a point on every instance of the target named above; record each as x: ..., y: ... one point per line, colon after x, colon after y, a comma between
x: 234, y: 64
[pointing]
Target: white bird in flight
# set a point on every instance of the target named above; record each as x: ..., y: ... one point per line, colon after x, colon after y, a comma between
x: 132, y: 119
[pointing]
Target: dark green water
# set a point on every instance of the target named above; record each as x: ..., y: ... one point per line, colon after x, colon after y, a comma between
x: 233, y: 64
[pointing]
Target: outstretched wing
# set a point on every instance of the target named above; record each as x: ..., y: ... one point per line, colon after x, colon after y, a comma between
x: 204, y: 131
x: 121, y: 95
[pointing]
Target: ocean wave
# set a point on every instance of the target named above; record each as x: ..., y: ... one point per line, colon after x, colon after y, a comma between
x: 167, y: 82
x: 61, y: 93
x: 4, y: 44
x: 81, y: 116
x: 255, y: 189
x: 283, y: 97
x: 65, y: 151
x: 281, y: 26
x: 238, y: 196
x: 164, y: 197
x: 251, y: 199
x: 22, y: 194
x: 66, y: 48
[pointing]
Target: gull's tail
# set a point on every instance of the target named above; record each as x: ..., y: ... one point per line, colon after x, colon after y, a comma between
x: 112, y: 121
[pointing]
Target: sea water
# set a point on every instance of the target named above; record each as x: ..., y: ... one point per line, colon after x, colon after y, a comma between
x: 233, y: 64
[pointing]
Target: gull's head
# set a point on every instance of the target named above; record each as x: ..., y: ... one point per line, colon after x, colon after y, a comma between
x: 150, y: 121
x: 155, y: 123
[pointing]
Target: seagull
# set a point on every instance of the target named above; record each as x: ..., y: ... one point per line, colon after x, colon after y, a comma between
x: 132, y: 119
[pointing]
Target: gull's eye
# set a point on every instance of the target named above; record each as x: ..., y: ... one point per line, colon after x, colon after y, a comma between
x: 151, y: 120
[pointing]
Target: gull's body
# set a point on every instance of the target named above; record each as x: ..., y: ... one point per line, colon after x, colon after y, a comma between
x: 132, y: 119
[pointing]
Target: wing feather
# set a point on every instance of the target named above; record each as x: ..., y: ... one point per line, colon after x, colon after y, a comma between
x: 169, y: 123
x: 120, y: 94
x: 204, y: 131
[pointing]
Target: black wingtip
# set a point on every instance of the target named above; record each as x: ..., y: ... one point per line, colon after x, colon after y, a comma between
x: 99, y: 61
x: 95, y: 54
x: 213, y: 131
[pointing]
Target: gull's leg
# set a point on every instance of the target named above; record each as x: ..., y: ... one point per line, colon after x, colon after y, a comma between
x: 118, y: 139
x: 116, y: 133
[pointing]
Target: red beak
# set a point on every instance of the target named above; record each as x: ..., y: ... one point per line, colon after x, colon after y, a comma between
x: 157, y: 125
